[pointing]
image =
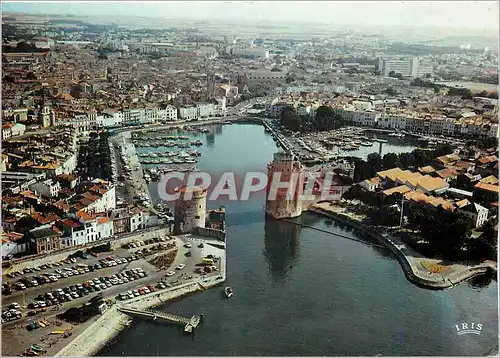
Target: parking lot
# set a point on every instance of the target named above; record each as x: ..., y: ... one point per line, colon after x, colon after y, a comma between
x: 123, y: 274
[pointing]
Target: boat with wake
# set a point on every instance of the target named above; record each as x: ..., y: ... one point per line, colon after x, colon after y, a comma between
x: 228, y: 291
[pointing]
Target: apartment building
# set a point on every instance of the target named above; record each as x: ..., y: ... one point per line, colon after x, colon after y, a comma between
x: 203, y: 110
x: 170, y: 113
x: 253, y: 53
x: 44, y: 239
x: 406, y: 67
x: 47, y: 188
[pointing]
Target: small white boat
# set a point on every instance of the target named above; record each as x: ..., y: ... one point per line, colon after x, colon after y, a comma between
x: 228, y: 291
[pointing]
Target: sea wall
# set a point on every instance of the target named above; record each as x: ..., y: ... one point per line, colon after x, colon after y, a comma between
x: 97, y: 335
x: 411, y: 272
x: 213, y: 233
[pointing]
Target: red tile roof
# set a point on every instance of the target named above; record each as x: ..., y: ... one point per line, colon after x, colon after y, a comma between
x: 72, y: 223
x: 486, y: 187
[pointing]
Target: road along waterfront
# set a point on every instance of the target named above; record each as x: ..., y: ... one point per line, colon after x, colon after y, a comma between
x: 326, y: 295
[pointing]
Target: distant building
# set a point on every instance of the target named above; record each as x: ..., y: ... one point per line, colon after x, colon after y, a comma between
x: 252, y: 53
x: 43, y: 42
x: 262, y: 77
x: 406, y: 67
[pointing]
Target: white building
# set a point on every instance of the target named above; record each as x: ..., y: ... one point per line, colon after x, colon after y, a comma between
x: 81, y: 123
x: 48, y: 188
x: 371, y: 184
x: 115, y: 114
x: 254, y: 52
x: 493, y: 130
x: 203, y: 110
x: 188, y: 113
x: 104, y: 228
x: 6, y: 131
x: 43, y: 42
x: 106, y: 202
x: 104, y: 120
x: 11, y: 244
x: 18, y: 129
x: 74, y: 233
x: 406, y: 67
x: 448, y: 126
x: 476, y: 213
x: 362, y: 105
x: 229, y: 92
x: 132, y: 115
x: 358, y: 117
x: 170, y: 113
x: 82, y: 229
x: 69, y: 164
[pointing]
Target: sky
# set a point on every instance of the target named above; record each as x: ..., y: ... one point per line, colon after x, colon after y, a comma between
x: 444, y: 14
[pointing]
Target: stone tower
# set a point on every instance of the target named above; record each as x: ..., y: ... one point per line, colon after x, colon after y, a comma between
x: 210, y: 86
x: 53, y: 122
x: 283, y: 206
x: 44, y: 114
x: 190, y: 212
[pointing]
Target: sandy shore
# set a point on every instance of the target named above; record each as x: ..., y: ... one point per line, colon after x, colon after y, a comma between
x: 423, y: 271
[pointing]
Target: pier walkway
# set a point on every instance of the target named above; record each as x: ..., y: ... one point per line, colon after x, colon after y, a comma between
x: 189, y: 323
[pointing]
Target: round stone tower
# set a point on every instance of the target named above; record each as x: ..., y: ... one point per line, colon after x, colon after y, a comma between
x: 190, y: 209
x: 284, y: 206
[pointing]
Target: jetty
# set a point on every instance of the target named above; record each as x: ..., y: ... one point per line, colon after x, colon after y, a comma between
x: 189, y: 323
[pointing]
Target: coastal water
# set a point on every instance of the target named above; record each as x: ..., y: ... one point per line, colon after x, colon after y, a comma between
x: 393, y: 145
x: 299, y: 291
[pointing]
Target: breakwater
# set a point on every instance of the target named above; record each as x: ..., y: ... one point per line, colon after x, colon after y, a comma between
x: 408, y: 262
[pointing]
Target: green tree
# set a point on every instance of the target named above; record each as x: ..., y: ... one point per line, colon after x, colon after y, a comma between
x: 486, y: 244
x: 390, y: 160
x: 289, y: 119
x: 391, y: 91
x: 387, y: 215
x: 374, y: 161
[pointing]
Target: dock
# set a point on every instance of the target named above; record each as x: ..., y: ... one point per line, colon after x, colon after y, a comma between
x: 189, y: 323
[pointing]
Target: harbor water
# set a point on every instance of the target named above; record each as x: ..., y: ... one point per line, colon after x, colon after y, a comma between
x: 298, y: 291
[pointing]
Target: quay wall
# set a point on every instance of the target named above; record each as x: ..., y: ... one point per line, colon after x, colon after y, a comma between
x: 97, y: 335
x: 409, y: 271
x: 256, y: 120
x: 213, y: 233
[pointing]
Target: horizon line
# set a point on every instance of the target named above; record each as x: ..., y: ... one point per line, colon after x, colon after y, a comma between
x: 217, y: 20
